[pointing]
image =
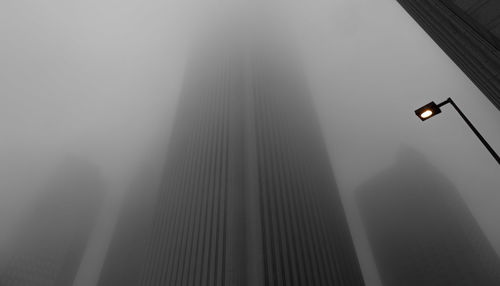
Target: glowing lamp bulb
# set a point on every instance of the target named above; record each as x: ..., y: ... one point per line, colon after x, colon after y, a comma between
x: 426, y: 113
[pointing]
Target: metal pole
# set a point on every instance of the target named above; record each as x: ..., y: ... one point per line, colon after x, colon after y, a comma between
x: 493, y: 153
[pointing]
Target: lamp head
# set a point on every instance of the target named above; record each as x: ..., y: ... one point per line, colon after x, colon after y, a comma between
x: 427, y: 111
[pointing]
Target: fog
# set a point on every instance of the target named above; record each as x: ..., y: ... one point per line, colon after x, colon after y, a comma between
x: 100, y: 80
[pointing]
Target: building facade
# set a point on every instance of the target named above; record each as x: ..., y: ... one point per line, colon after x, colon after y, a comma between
x: 421, y: 231
x: 248, y: 195
x: 469, y: 32
x: 47, y: 247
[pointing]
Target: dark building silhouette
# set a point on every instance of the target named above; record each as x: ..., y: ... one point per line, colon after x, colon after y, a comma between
x: 469, y: 32
x: 47, y: 247
x: 421, y: 230
x: 126, y: 253
x: 248, y: 196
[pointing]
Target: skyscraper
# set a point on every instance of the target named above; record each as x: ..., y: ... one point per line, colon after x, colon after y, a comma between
x: 469, y: 32
x: 47, y: 247
x: 248, y: 195
x: 421, y: 230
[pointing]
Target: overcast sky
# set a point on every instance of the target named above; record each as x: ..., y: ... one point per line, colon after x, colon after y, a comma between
x: 101, y: 78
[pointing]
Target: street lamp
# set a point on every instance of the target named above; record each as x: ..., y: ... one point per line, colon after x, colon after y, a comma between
x: 431, y: 109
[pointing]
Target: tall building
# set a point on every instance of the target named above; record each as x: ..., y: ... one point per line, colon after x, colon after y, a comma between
x: 248, y: 195
x: 421, y: 230
x: 48, y: 245
x: 469, y: 32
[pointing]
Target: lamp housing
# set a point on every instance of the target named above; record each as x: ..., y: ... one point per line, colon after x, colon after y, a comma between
x: 427, y: 111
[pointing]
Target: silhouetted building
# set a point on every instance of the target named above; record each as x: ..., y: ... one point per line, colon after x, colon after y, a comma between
x: 469, y: 32
x: 421, y: 230
x: 248, y: 195
x: 47, y: 247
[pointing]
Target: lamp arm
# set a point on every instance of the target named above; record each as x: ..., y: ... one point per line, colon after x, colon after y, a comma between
x: 448, y: 100
x: 481, y: 138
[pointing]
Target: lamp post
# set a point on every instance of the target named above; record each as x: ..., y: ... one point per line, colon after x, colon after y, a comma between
x: 431, y: 109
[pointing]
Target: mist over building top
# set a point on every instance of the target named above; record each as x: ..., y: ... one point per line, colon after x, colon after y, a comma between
x: 245, y: 31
